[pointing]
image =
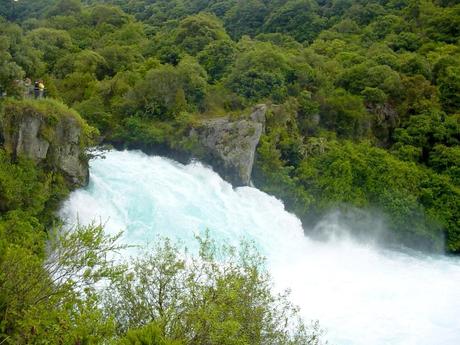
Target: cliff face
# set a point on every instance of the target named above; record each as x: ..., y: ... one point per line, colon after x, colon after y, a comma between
x: 229, y: 146
x: 48, y: 133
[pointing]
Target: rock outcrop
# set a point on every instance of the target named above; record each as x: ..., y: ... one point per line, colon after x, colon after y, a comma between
x: 51, y: 135
x: 229, y: 146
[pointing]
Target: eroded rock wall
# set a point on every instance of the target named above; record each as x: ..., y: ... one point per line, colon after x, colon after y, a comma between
x: 229, y: 146
x: 55, y: 141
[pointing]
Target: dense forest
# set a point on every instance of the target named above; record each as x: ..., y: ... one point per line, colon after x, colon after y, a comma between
x: 364, y: 112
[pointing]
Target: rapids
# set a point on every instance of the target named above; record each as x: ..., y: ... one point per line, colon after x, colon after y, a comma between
x: 360, y: 293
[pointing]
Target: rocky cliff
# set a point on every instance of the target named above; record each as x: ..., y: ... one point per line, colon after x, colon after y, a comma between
x: 229, y: 146
x: 48, y: 133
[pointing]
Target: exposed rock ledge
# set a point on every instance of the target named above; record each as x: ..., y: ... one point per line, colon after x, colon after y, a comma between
x: 52, y: 140
x: 229, y: 146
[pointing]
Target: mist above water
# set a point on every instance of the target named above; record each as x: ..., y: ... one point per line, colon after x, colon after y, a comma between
x: 360, y: 293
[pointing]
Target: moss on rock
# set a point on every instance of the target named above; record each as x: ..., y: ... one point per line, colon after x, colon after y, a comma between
x: 49, y: 133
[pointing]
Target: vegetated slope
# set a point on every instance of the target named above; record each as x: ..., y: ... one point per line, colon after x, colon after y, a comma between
x: 367, y: 93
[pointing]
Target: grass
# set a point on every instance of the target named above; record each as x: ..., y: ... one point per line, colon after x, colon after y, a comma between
x: 51, y: 110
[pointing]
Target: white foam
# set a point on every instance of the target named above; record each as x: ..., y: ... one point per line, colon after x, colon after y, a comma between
x: 361, y: 294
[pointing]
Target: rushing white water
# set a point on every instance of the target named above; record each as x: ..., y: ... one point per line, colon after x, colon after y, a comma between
x: 361, y: 294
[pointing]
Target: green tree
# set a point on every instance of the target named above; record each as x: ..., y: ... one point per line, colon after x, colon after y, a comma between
x: 367, y: 74
x: 345, y: 114
x: 449, y: 87
x: 221, y: 296
x: 259, y: 73
x: 52, y: 43
x: 363, y: 176
x: 297, y: 18
x: 120, y: 58
x: 217, y: 58
x: 9, y: 70
x: 65, y: 8
x: 85, y: 61
x: 446, y: 160
x: 150, y: 334
x: 21, y: 50
x: 53, y: 299
x: 444, y: 24
x: 110, y: 15
x: 168, y: 90
x: 196, y: 32
x: 245, y: 18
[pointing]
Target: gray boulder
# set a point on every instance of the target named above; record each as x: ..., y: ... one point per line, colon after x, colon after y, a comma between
x: 229, y: 146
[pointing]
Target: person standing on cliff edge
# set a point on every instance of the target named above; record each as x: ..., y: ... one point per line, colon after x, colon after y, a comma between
x: 36, y: 89
x: 41, y: 89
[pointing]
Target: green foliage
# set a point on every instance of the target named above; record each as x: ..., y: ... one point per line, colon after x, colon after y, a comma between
x: 221, y: 296
x: 49, y: 109
x: 217, y: 58
x: 51, y: 43
x: 102, y: 14
x: 245, y: 18
x: 196, y: 32
x: 444, y: 25
x: 119, y: 58
x: 66, y: 8
x: 86, y: 61
x: 47, y: 274
x: 259, y: 73
x: 41, y: 299
x: 298, y: 18
x: 75, y: 87
x: 424, y: 132
x: 39, y: 302
x: 386, y: 72
x: 374, y: 95
x: 21, y: 186
x: 368, y: 177
x: 273, y: 177
x: 9, y: 70
x: 335, y: 175
x: 446, y: 160
x: 94, y: 112
x: 150, y: 334
x: 345, y: 114
x: 367, y: 74
x: 166, y: 90
x: 449, y: 87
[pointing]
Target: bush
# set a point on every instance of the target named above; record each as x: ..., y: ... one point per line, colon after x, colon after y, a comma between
x: 222, y: 297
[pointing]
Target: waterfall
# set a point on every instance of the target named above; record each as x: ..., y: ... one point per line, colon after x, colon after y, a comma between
x: 360, y: 293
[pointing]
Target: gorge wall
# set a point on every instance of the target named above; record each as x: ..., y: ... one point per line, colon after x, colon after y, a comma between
x: 48, y: 133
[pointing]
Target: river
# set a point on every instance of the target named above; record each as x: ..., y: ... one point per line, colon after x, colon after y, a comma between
x: 360, y: 293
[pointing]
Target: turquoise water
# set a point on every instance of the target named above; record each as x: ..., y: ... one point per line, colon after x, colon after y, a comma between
x: 360, y: 293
